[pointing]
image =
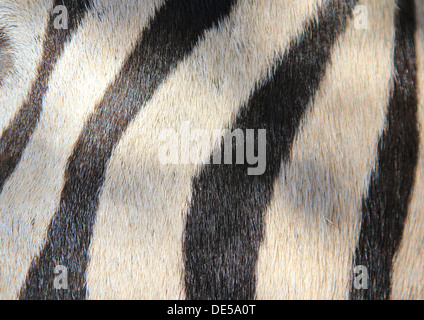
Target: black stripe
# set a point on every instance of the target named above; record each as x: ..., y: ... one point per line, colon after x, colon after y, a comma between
x: 171, y: 36
x: 225, y: 225
x: 385, y: 208
x: 16, y: 136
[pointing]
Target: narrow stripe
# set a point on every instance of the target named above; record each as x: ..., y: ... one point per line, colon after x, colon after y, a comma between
x: 15, y: 137
x: 224, y: 225
x: 170, y: 37
x: 385, y: 207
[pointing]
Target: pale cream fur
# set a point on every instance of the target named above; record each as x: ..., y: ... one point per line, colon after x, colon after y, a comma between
x: 31, y: 196
x: 312, y: 224
x: 24, y: 23
x: 408, y: 280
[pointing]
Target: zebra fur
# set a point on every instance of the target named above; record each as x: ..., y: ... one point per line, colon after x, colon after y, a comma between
x: 83, y: 109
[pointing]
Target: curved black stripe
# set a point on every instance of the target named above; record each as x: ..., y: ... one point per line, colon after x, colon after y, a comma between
x: 171, y: 36
x: 15, y: 137
x: 225, y: 225
x: 385, y: 208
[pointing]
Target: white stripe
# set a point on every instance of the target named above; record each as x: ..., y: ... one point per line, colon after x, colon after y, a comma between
x: 88, y: 65
x: 136, y: 250
x: 312, y: 225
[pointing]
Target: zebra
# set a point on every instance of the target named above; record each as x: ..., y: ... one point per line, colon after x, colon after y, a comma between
x: 88, y: 209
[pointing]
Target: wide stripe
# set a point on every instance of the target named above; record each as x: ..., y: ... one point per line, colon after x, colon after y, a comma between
x: 15, y: 137
x: 225, y: 221
x: 385, y: 207
x: 172, y: 34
